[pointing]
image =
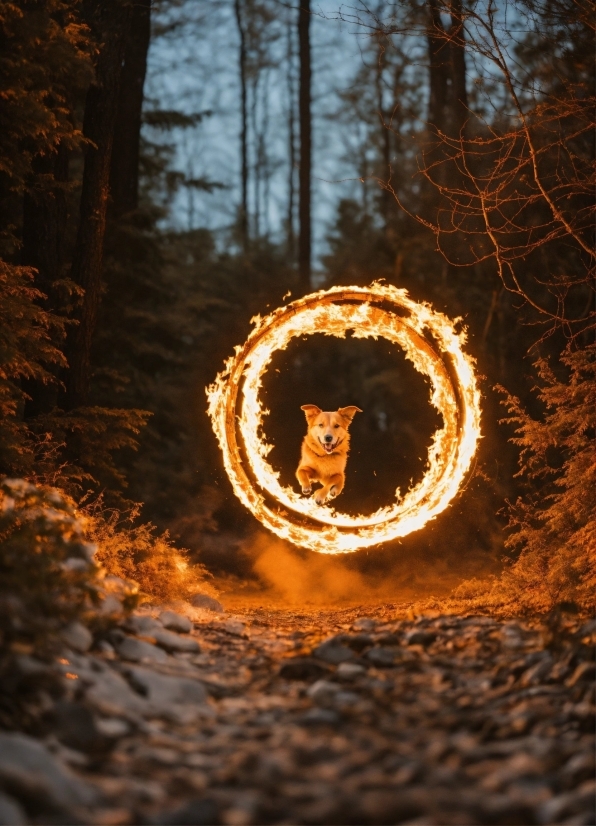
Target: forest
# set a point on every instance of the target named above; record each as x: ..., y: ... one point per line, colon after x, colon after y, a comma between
x: 171, y: 169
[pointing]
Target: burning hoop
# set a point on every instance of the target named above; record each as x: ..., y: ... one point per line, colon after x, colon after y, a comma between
x: 429, y: 341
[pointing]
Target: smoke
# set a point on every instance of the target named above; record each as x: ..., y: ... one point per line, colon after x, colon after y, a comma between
x: 284, y: 575
x: 431, y: 563
x: 293, y: 577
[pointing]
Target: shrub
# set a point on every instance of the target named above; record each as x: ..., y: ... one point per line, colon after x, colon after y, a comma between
x: 47, y: 571
x: 553, y: 527
x: 137, y: 552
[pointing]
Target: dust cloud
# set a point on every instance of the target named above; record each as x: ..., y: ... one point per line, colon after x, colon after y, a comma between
x: 282, y: 574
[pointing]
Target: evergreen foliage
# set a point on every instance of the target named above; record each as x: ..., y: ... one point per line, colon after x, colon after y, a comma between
x: 27, y: 351
x: 553, y: 526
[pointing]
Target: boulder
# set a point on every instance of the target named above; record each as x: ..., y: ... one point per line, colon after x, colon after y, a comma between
x: 138, y: 651
x: 77, y: 637
x: 36, y: 777
x: 333, y: 651
x: 175, y: 622
x: 11, y: 814
x: 175, y: 642
x: 208, y: 603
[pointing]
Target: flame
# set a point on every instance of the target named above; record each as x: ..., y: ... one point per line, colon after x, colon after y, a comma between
x: 430, y: 342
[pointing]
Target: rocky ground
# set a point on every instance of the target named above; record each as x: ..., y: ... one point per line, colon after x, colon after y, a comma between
x: 354, y: 716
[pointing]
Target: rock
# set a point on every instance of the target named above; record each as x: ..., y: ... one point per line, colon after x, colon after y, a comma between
x: 11, y: 814
x: 32, y: 774
x: 201, y: 812
x: 207, y: 602
x: 111, y: 605
x: 345, y: 699
x: 380, y: 657
x: 143, y: 624
x: 319, y: 717
x: 302, y: 668
x: 174, y: 642
x: 357, y: 642
x: 77, y: 637
x: 322, y: 692
x: 112, y: 727
x: 333, y: 651
x: 74, y: 725
x: 565, y: 805
x: 166, y: 695
x: 364, y: 624
x: 175, y: 622
x: 349, y: 671
x: 138, y: 651
x: 424, y: 638
x: 111, y: 695
x: 107, y: 649
x: 235, y: 628
x: 389, y: 639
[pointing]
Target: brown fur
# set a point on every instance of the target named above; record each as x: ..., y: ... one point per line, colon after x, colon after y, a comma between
x: 325, y: 465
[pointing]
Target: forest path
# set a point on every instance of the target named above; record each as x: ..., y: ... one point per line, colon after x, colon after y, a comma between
x: 322, y: 717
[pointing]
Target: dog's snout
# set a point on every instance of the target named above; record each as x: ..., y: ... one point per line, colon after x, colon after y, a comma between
x: 328, y: 438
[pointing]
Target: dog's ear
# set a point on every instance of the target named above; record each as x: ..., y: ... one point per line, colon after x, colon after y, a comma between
x: 349, y: 412
x: 311, y: 411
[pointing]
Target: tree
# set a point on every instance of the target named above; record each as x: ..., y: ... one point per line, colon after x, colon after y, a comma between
x: 124, y: 165
x: 553, y: 526
x: 305, y: 173
x: 238, y: 9
x: 111, y: 22
x: 44, y: 68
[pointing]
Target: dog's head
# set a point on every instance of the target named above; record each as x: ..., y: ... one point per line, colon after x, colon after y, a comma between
x: 329, y: 430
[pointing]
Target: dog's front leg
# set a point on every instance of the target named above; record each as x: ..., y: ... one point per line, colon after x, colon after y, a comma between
x: 305, y: 476
x: 332, y: 488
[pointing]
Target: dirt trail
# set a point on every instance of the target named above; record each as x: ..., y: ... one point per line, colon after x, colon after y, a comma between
x: 324, y: 717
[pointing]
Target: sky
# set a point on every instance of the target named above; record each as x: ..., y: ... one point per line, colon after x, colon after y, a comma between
x: 194, y: 68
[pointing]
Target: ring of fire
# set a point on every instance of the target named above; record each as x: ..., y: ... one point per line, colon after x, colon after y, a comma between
x: 429, y: 341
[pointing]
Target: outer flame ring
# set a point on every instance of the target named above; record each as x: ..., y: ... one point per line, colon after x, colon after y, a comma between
x: 429, y: 340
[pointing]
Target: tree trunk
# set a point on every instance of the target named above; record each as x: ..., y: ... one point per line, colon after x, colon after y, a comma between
x: 243, y: 128
x: 124, y: 170
x: 459, y: 102
x: 305, y: 112
x: 111, y: 23
x: 439, y: 68
x: 291, y: 140
x: 44, y: 229
x: 44, y: 219
x: 386, y: 196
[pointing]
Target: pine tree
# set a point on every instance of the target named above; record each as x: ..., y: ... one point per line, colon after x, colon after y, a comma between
x: 553, y: 527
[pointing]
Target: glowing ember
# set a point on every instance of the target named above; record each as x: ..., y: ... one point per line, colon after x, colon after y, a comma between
x: 429, y: 341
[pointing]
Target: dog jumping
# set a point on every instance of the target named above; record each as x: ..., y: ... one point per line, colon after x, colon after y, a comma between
x: 325, y: 451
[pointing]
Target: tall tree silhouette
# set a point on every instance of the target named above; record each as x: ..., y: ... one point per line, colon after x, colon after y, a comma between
x: 305, y: 174
x: 244, y: 124
x: 111, y: 23
x: 124, y: 172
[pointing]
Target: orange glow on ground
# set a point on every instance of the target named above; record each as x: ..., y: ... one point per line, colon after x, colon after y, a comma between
x: 430, y: 342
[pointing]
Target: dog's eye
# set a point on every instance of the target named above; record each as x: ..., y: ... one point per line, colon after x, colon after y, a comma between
x: 320, y: 425
x: 335, y: 425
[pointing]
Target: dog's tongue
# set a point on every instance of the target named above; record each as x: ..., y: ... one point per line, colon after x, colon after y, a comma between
x: 328, y: 448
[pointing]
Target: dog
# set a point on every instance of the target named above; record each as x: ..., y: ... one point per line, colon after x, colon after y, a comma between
x: 325, y: 451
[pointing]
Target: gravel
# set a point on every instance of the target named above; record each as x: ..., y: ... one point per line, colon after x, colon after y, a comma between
x: 314, y: 717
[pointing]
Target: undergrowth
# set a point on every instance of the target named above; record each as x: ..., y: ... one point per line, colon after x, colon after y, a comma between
x: 138, y: 552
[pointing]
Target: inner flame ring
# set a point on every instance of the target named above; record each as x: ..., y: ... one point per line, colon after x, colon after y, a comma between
x: 430, y: 342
